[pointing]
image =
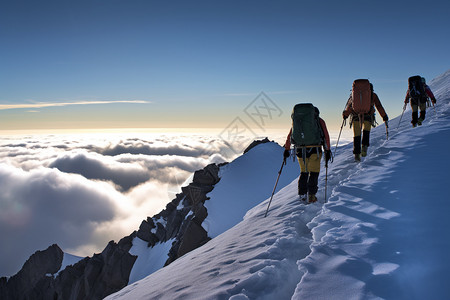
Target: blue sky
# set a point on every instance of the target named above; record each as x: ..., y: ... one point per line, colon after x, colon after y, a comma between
x: 200, y: 63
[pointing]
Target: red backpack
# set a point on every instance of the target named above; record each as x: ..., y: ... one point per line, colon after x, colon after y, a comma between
x: 361, y: 96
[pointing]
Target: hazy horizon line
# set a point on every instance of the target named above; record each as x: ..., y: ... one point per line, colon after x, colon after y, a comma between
x: 59, y: 104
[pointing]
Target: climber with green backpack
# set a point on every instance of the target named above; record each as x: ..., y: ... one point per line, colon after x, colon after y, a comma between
x: 360, y: 108
x: 308, y: 134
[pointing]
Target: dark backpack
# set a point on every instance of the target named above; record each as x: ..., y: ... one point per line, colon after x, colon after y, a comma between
x: 306, y: 129
x: 416, y: 88
x: 361, y: 96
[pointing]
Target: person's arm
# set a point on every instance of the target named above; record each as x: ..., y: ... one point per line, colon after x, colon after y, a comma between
x: 348, y: 108
x: 430, y: 93
x: 326, y: 134
x: 287, y: 145
x: 379, y: 107
x: 407, y: 96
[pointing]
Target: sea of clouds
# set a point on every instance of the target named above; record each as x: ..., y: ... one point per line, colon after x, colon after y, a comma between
x: 83, y: 190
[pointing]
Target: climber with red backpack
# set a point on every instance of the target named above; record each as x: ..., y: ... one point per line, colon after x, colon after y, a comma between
x: 308, y: 134
x: 360, y: 108
x: 419, y: 92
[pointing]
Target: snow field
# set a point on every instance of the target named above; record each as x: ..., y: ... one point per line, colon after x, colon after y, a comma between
x: 383, y: 234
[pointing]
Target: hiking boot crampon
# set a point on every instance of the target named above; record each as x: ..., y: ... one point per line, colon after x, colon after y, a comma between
x: 357, y: 157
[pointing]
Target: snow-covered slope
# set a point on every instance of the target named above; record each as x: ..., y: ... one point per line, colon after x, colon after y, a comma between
x: 383, y: 234
x: 243, y: 183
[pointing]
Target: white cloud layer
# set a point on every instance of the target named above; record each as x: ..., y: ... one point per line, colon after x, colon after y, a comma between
x: 81, y: 191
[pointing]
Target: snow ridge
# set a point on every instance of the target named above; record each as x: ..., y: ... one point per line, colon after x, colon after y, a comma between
x: 377, y: 237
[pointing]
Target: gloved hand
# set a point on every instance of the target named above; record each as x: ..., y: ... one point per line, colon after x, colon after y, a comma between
x: 385, y: 118
x: 286, y: 154
x: 344, y: 116
x: 433, y: 101
x: 406, y: 101
x: 327, y: 155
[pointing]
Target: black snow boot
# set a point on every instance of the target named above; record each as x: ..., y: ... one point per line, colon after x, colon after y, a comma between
x: 415, y: 117
x: 303, y: 183
x: 421, y: 117
x: 357, y: 144
x: 313, y: 182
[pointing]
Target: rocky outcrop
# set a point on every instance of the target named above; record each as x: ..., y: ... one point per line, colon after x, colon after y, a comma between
x: 256, y: 143
x: 35, y: 275
x: 98, y: 276
x: 91, y: 278
x: 183, y: 216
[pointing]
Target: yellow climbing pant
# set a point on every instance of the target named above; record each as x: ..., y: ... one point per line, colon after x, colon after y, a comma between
x: 312, y: 163
x: 357, y: 127
x: 422, y: 106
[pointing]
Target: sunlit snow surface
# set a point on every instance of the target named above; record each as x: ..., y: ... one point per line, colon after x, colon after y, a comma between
x: 383, y: 234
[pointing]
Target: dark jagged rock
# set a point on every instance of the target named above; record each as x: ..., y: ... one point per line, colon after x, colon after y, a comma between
x: 173, y: 224
x: 256, y: 143
x: 177, y: 219
x: 99, y: 276
x: 160, y: 232
x: 144, y: 232
x: 207, y: 176
x: 194, y: 237
x: 90, y: 278
x: 34, y: 273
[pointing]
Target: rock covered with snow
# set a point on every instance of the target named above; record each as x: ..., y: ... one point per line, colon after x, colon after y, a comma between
x: 256, y: 143
x: 180, y: 222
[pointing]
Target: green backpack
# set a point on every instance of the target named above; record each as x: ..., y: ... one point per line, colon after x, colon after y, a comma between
x: 306, y: 129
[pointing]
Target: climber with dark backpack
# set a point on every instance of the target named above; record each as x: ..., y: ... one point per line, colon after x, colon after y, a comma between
x: 360, y: 108
x: 419, y: 92
x: 308, y: 135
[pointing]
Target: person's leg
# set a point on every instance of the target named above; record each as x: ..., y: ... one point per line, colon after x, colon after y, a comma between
x: 423, y: 109
x: 314, y: 170
x: 303, y: 184
x: 303, y: 179
x: 356, y: 139
x: 415, y: 114
x: 366, y: 137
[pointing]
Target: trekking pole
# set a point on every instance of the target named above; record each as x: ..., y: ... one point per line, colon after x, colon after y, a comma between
x: 339, y: 136
x: 326, y: 180
x: 387, y: 132
x: 279, y: 173
x: 404, y: 108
